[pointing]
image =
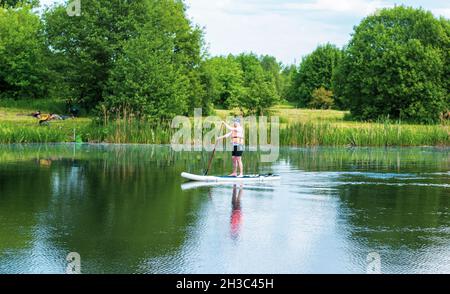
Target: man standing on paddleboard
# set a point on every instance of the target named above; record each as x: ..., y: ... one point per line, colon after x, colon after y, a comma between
x: 237, y: 138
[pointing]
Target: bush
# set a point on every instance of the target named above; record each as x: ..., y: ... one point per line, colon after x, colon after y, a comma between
x: 315, y: 71
x: 322, y: 99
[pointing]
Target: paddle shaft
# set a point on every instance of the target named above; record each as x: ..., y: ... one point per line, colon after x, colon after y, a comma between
x: 214, y: 152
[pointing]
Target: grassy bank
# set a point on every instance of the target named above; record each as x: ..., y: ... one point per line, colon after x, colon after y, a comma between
x: 299, y: 127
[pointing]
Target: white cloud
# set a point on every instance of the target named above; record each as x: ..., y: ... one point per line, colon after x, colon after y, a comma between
x: 356, y: 7
x: 49, y: 2
x: 264, y: 27
x: 286, y: 29
x: 442, y: 12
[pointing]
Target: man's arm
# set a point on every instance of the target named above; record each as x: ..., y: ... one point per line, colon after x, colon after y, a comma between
x: 226, y: 136
x: 230, y: 128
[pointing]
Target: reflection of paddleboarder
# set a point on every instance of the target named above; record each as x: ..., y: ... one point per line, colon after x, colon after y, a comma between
x: 236, y: 212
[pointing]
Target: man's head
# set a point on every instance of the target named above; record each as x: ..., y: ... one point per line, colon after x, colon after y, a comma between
x: 237, y: 122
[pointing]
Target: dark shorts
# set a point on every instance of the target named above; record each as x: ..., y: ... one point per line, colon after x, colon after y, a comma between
x: 237, y: 151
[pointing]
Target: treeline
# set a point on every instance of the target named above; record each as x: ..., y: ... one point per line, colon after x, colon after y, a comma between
x: 396, y: 66
x: 146, y: 59
x: 249, y: 82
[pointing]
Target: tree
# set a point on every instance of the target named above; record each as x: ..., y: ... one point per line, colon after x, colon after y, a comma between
x: 91, y: 45
x: 15, y: 3
x: 259, y: 88
x: 169, y: 16
x: 223, y: 80
x: 315, y: 71
x: 446, y: 53
x: 287, y: 78
x: 23, y: 55
x: 321, y: 99
x: 246, y: 81
x: 157, y: 76
x: 145, y: 81
x: 397, y: 66
x: 273, y: 70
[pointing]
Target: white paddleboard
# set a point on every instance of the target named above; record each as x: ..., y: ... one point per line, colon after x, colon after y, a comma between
x: 252, y: 186
x: 228, y: 179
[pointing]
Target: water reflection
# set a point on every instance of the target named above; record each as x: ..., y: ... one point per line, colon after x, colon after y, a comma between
x: 125, y: 209
x: 236, y: 211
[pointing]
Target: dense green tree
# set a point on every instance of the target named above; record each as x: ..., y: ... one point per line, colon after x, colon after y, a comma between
x: 315, y: 71
x: 246, y: 81
x: 169, y: 17
x: 157, y: 73
x: 145, y: 81
x: 91, y: 45
x: 445, y: 23
x: 397, y: 66
x: 14, y: 3
x: 223, y: 80
x: 260, y: 91
x: 273, y: 69
x: 23, y: 54
x: 287, y: 78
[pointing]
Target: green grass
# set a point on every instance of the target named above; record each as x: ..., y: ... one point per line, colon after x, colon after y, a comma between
x: 31, y: 132
x: 17, y: 126
x: 299, y: 127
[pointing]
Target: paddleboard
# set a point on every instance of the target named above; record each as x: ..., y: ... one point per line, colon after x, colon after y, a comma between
x: 252, y: 186
x: 228, y: 179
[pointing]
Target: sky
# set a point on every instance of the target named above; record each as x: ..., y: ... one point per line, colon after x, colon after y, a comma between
x: 286, y: 29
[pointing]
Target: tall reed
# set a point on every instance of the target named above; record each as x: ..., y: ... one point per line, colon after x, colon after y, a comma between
x: 388, y: 134
x: 295, y: 134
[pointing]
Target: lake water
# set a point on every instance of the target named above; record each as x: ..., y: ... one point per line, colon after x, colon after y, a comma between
x: 125, y: 209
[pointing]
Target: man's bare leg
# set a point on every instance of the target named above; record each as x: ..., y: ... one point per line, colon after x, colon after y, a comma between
x: 241, y: 166
x: 235, y: 164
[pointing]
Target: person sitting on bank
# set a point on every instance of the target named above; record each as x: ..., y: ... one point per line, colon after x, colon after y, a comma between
x: 45, y: 118
x: 59, y: 117
x: 36, y: 114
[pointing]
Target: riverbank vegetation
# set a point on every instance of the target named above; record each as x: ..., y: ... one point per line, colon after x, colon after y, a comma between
x: 298, y: 127
x: 130, y: 67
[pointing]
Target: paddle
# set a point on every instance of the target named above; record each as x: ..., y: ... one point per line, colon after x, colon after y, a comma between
x: 214, y: 152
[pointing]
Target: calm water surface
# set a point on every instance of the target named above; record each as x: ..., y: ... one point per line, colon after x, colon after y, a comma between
x: 125, y: 209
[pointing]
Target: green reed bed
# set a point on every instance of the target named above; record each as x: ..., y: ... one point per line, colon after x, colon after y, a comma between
x: 294, y: 134
x: 128, y: 132
x: 326, y: 134
x: 11, y: 133
x: 83, y: 130
x: 298, y: 134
